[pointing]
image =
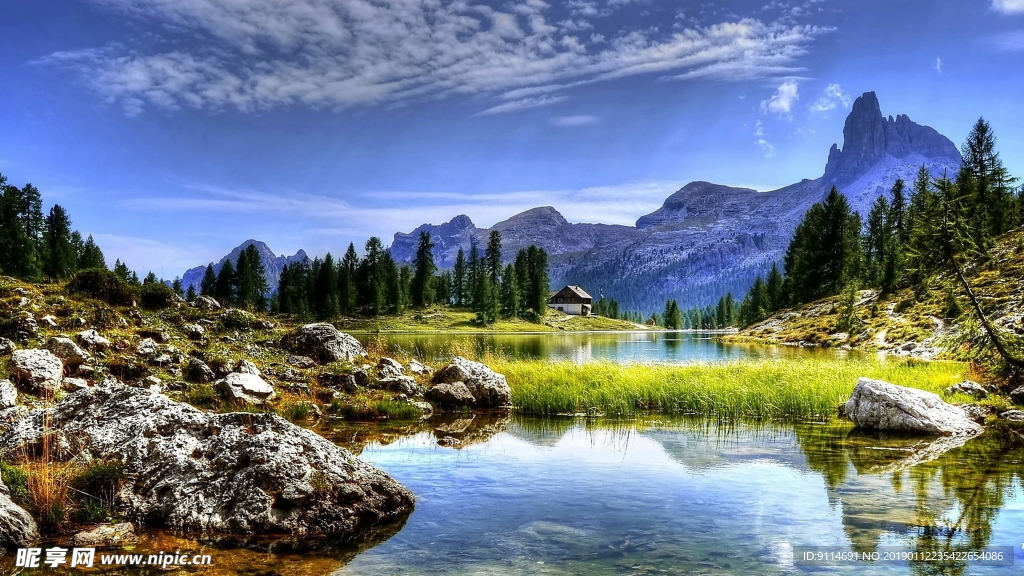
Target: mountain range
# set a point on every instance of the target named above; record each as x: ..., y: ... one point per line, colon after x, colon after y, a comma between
x: 707, y: 239
x: 271, y: 262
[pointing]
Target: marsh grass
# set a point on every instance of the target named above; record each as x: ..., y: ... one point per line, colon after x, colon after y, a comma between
x: 780, y: 389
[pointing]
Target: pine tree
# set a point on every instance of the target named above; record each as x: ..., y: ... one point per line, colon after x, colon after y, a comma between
x: 898, y: 217
x: 493, y: 257
x: 986, y: 185
x: 60, y: 258
x: 347, y: 270
x: 90, y: 255
x: 190, y: 294
x: 250, y: 280
x: 825, y: 251
x: 208, y: 285
x: 425, y: 268
x: 459, y: 279
x: 372, y: 279
x: 224, y: 290
x: 510, y: 292
x: 325, y: 289
x: 876, y: 235
x: 176, y: 286
x: 774, y: 287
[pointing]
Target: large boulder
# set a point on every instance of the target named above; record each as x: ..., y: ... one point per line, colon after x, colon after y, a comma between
x: 389, y: 368
x: 878, y: 405
x: 323, y: 342
x: 969, y: 388
x: 199, y: 371
x: 67, y: 351
x: 489, y: 388
x: 17, y: 528
x: 106, y: 536
x: 205, y: 303
x: 7, y: 347
x: 1017, y: 395
x: 192, y: 470
x: 147, y: 348
x: 37, y: 370
x: 247, y: 388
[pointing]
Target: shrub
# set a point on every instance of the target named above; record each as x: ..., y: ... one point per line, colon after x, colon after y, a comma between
x: 296, y: 411
x: 16, y: 480
x: 104, y: 285
x: 97, y: 485
x: 157, y: 296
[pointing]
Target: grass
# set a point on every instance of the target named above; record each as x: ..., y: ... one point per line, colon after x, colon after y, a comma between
x: 439, y: 319
x: 781, y: 389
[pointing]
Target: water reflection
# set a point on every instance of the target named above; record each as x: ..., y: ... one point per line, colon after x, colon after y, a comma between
x: 669, y: 347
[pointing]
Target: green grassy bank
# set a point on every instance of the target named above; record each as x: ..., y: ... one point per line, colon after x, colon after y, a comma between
x: 780, y: 389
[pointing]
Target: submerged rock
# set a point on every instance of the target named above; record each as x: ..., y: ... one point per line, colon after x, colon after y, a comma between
x: 192, y: 470
x: 106, y: 536
x: 37, y: 370
x: 323, y: 342
x: 489, y: 389
x: 878, y: 405
x: 17, y: 528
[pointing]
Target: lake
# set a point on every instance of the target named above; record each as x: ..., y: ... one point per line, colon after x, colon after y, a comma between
x: 501, y: 495
x: 661, y: 347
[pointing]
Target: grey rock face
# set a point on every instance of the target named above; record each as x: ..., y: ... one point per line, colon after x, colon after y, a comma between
x: 194, y: 331
x: 968, y: 387
x: 489, y: 389
x: 341, y: 382
x: 17, y: 528
x: 419, y: 369
x: 451, y: 395
x: 324, y: 342
x: 402, y: 384
x: 147, y: 348
x: 1013, y: 415
x: 191, y: 470
x: 6, y: 347
x: 247, y: 367
x: 92, y: 340
x: 8, y: 395
x: 302, y: 362
x: 67, y: 351
x: 1018, y: 395
x: 74, y: 384
x: 247, y: 388
x: 878, y: 405
x: 37, y: 370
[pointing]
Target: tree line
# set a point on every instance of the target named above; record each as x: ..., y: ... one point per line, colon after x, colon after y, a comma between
x: 936, y: 228
x: 375, y: 284
x: 36, y: 247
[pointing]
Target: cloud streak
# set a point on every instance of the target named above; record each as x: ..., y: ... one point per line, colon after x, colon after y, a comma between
x: 253, y: 55
x: 1008, y: 6
x: 781, y: 103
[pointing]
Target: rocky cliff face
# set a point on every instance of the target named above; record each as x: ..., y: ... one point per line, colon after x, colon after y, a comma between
x: 707, y: 239
x: 272, y: 262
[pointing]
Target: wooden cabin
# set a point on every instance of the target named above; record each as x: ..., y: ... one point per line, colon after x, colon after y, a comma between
x: 571, y: 300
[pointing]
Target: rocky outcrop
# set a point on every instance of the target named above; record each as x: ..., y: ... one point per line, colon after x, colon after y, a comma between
x: 7, y: 347
x: 968, y: 387
x: 192, y: 470
x: 420, y: 369
x: 323, y: 342
x: 246, y: 388
x: 67, y: 351
x: 489, y: 389
x: 199, y: 371
x: 205, y: 303
x: 37, y: 370
x: 1017, y: 395
x: 147, y: 348
x: 878, y: 405
x: 389, y: 368
x: 17, y: 528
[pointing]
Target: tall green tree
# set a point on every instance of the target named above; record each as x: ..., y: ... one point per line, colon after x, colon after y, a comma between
x: 224, y: 290
x: 423, y: 263
x: 325, y: 289
x: 372, y: 277
x: 825, y: 252
x: 90, y: 255
x: 510, y: 297
x: 208, y: 285
x: 460, y: 279
x: 493, y: 257
x: 60, y: 257
x: 347, y: 270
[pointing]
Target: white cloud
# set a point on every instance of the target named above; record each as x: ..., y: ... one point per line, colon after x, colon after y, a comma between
x: 1008, y: 6
x: 766, y: 146
x: 781, y: 103
x: 834, y: 98
x: 251, y: 55
x: 522, y: 104
x: 938, y: 65
x: 572, y: 121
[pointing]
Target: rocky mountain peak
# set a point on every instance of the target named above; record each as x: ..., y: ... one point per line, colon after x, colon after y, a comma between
x: 869, y: 138
x: 543, y: 216
x: 271, y: 262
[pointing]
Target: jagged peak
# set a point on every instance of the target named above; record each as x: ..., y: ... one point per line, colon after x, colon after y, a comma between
x: 540, y: 214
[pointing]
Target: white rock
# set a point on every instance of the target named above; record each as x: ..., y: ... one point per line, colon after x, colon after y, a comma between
x: 67, y: 351
x: 37, y: 370
x: 147, y: 347
x: 74, y: 384
x: 246, y: 367
x: 92, y: 340
x: 879, y: 405
x: 8, y: 395
x: 248, y: 388
x: 489, y: 388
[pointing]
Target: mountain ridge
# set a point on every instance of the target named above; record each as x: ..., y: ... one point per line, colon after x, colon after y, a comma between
x: 271, y: 262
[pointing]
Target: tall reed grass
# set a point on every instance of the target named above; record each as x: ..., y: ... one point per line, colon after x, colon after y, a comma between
x: 796, y: 389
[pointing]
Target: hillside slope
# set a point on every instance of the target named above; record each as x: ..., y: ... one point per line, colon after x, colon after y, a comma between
x: 908, y: 323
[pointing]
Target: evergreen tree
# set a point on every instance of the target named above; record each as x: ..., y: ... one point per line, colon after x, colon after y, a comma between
x: 774, y: 287
x: 425, y: 268
x: 825, y: 251
x: 150, y: 278
x: 208, y: 285
x: 510, y: 292
x: 372, y: 278
x: 493, y: 257
x: 250, y: 280
x: 60, y: 258
x: 325, y: 289
x: 20, y: 230
x: 224, y: 290
x: 476, y: 276
x: 176, y: 286
x: 876, y: 236
x: 347, y: 270
x: 190, y: 294
x: 459, y: 279
x: 898, y: 217
x: 90, y: 255
x: 986, y: 185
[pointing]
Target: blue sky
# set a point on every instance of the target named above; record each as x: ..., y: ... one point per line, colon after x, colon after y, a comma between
x: 175, y: 129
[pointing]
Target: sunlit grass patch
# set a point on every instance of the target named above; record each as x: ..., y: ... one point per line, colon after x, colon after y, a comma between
x: 777, y: 389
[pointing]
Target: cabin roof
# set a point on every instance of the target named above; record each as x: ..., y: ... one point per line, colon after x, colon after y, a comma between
x: 575, y: 290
